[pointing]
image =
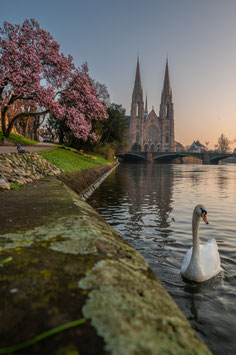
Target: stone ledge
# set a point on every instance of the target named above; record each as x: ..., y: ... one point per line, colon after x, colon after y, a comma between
x: 67, y: 263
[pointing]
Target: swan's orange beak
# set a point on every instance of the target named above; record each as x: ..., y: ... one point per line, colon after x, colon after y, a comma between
x: 204, y: 217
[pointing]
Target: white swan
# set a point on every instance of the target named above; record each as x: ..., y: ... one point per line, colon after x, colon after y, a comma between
x: 202, y: 261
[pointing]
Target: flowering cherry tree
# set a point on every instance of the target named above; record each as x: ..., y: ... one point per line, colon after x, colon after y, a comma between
x: 32, y: 69
x: 81, y: 105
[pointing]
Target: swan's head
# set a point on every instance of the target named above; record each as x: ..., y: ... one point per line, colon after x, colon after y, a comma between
x: 201, y: 211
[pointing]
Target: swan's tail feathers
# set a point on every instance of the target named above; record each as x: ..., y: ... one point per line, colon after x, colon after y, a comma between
x: 210, y: 258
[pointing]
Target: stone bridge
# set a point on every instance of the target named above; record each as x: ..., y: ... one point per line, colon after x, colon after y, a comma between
x: 168, y: 157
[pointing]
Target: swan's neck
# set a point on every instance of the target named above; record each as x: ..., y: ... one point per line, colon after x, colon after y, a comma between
x: 195, y: 231
x: 194, y: 270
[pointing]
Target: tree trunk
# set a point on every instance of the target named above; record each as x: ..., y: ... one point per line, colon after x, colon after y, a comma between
x: 35, y: 131
x: 8, y: 130
x: 4, y: 129
x: 61, y: 137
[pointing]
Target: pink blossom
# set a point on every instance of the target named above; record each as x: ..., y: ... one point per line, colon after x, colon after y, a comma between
x: 33, y: 69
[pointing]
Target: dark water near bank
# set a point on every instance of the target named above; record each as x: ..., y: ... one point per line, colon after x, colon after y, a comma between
x: 151, y: 206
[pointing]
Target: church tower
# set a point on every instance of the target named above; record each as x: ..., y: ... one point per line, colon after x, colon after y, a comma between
x: 146, y: 107
x: 137, y: 112
x: 167, y: 115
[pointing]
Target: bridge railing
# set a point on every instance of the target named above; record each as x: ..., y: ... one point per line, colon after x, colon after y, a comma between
x: 205, y: 156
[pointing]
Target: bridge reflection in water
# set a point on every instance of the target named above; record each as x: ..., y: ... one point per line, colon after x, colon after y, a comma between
x: 168, y: 157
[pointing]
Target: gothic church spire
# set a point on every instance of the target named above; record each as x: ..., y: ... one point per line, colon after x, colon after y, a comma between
x: 166, y: 92
x: 137, y: 92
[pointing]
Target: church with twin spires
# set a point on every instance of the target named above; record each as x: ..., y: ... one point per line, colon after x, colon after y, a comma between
x: 147, y: 131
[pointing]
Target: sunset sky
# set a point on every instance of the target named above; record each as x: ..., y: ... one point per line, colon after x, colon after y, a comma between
x: 199, y: 37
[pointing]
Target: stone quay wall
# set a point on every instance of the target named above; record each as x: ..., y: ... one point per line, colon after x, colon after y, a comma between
x: 25, y: 168
x: 84, y: 182
x: 65, y: 264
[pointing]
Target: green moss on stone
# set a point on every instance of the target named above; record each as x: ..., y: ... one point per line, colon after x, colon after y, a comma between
x: 57, y: 242
x: 134, y: 314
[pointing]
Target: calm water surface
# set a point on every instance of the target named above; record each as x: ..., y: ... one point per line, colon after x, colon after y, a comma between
x: 151, y: 205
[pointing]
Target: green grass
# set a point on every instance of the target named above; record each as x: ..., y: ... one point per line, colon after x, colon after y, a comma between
x: 69, y: 160
x: 17, y: 138
x: 30, y: 342
x: 15, y: 186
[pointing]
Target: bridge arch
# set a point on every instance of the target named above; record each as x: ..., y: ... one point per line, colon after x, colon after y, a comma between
x: 164, y: 157
x: 217, y: 157
x: 135, y: 156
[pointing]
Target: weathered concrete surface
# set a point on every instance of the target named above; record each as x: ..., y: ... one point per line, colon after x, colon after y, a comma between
x: 67, y: 263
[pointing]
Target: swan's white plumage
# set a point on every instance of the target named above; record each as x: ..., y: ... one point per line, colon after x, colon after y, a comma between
x: 206, y: 264
x: 209, y: 262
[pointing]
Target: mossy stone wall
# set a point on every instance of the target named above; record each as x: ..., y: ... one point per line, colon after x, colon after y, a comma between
x: 68, y: 264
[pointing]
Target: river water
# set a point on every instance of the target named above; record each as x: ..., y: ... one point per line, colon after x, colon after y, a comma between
x: 151, y: 206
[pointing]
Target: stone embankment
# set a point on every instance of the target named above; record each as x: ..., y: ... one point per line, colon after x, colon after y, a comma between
x: 84, y: 182
x: 24, y: 168
x: 65, y: 264
x: 62, y: 266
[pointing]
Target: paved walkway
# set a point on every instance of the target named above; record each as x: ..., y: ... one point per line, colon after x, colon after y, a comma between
x: 6, y: 149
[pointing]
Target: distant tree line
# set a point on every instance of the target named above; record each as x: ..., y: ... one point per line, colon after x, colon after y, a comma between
x: 223, y: 144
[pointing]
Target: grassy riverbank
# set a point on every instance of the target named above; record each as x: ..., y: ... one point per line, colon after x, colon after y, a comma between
x: 62, y: 157
x: 70, y: 159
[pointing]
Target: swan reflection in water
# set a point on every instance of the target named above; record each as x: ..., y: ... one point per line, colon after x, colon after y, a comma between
x: 197, y: 303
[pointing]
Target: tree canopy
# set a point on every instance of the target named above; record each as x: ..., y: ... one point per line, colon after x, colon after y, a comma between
x: 114, y: 129
x: 223, y: 144
x: 33, y: 70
